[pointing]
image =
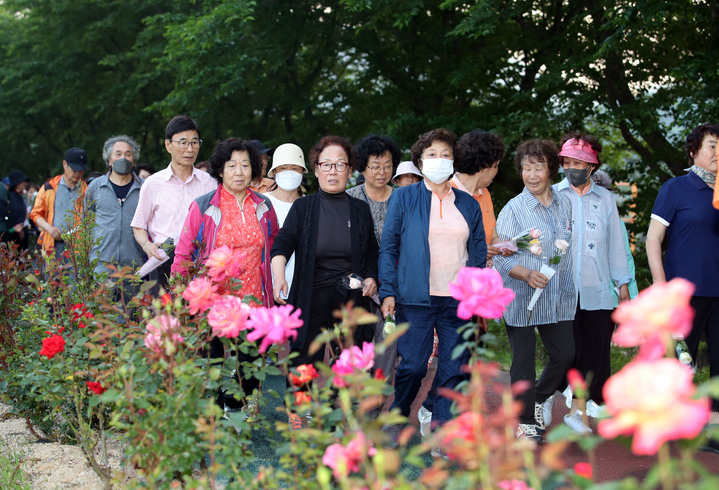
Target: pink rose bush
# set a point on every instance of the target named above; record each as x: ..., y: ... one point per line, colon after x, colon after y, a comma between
x: 653, y: 400
x: 201, y: 294
x: 163, y: 334
x: 228, y: 316
x: 351, y: 360
x: 273, y: 325
x: 480, y: 292
x: 346, y: 459
x: 654, y: 317
x: 224, y: 263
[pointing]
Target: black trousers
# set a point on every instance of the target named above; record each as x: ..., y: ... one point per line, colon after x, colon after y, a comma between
x: 559, y: 342
x: 592, y: 348
x: 217, y: 350
x: 706, y: 321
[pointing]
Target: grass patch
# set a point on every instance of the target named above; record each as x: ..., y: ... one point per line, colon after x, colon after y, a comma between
x: 11, y: 475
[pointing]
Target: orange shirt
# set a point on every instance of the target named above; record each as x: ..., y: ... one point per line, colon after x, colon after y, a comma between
x: 239, y: 229
x: 485, y: 204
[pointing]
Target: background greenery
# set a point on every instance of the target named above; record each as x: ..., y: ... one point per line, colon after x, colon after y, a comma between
x: 638, y: 73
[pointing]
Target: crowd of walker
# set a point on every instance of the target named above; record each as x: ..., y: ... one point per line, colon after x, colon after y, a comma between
x: 406, y: 229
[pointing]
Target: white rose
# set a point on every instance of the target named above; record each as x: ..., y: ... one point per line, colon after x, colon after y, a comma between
x: 355, y: 283
x: 561, y: 245
x: 389, y: 327
x: 685, y: 358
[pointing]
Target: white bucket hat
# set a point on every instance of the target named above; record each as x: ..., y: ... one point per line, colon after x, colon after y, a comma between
x: 406, y: 168
x: 287, y: 154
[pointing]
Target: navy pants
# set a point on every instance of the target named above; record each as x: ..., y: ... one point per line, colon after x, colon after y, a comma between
x: 415, y: 347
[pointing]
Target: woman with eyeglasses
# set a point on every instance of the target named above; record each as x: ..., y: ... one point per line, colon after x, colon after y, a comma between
x: 332, y: 235
x: 431, y: 231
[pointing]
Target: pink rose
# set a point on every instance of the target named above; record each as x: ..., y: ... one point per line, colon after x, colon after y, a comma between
x: 200, y: 294
x: 535, y: 234
x: 273, y: 325
x: 162, y: 334
x: 513, y: 485
x: 653, y: 400
x: 345, y: 460
x: 535, y: 249
x: 224, y: 263
x: 657, y: 313
x: 353, y: 359
x: 228, y: 316
x: 480, y: 292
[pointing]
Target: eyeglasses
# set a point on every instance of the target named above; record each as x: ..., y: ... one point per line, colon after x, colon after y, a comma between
x: 326, y: 166
x: 378, y: 169
x: 184, y: 143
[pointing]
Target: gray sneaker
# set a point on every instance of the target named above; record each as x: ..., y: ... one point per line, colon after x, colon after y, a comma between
x: 547, y: 411
x: 425, y: 421
x: 392, y: 431
x: 576, y: 423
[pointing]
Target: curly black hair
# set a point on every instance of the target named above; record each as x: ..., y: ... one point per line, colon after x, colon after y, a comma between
x: 376, y: 145
x: 479, y: 150
x: 223, y: 152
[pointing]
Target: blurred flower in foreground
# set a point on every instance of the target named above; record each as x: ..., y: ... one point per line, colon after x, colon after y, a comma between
x: 273, y: 325
x: 307, y: 373
x: 654, y: 317
x: 200, y: 294
x: 346, y: 459
x: 480, y: 292
x: 353, y: 359
x: 228, y: 316
x: 653, y: 401
x: 224, y: 263
x: 163, y: 334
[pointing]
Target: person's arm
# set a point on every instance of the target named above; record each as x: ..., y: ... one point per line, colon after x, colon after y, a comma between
x: 535, y: 279
x: 280, y: 289
x: 143, y: 239
x: 39, y: 216
x: 389, y: 254
x: 655, y: 237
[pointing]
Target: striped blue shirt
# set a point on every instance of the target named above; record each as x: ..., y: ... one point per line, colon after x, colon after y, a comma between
x: 558, y: 301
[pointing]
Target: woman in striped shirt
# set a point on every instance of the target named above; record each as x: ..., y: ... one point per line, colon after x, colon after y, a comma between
x: 538, y: 207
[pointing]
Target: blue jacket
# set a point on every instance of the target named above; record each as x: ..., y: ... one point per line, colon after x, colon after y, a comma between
x: 404, y: 252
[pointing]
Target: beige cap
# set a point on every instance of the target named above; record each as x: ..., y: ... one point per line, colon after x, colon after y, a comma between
x: 287, y: 154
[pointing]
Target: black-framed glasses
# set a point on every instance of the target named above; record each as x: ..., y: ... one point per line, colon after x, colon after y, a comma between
x: 182, y: 144
x: 326, y: 166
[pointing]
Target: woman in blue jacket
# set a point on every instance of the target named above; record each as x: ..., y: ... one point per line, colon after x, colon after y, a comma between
x: 430, y: 232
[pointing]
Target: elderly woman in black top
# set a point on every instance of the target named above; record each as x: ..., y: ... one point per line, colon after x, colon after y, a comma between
x: 333, y: 236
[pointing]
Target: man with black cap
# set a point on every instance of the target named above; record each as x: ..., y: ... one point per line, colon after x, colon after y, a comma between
x: 113, y: 198
x: 262, y: 183
x: 17, y: 213
x: 58, y: 199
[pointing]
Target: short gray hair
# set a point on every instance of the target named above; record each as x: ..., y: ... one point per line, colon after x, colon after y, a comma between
x: 602, y: 179
x: 110, y: 142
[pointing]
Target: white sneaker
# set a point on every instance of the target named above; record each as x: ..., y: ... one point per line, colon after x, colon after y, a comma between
x: 547, y: 411
x: 576, y: 423
x: 596, y: 411
x: 425, y: 421
x: 568, y: 396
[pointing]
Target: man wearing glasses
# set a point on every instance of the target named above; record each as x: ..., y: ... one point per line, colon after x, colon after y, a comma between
x: 166, y: 195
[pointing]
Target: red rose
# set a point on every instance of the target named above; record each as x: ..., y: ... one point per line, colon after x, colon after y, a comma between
x: 95, y: 387
x: 52, y: 345
x: 584, y: 470
x: 302, y: 397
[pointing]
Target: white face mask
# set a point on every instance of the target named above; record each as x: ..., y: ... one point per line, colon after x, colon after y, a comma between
x: 437, y: 170
x: 288, y: 180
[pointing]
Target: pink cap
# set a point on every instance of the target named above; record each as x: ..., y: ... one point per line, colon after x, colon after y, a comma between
x: 579, y: 149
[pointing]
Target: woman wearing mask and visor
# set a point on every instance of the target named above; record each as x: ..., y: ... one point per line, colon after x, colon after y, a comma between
x: 288, y: 165
x: 431, y: 231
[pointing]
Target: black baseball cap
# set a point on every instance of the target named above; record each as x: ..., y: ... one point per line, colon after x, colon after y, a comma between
x: 77, y: 159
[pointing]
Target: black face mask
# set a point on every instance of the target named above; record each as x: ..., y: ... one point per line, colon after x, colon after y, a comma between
x: 577, y: 177
x: 122, y: 166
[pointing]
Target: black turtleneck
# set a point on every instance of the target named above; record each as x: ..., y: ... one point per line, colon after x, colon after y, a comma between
x: 334, y: 244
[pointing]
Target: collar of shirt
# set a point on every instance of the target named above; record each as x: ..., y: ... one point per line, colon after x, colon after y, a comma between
x: 167, y: 173
x: 566, y: 185
x: 459, y: 185
x: 698, y: 182
x: 532, y: 202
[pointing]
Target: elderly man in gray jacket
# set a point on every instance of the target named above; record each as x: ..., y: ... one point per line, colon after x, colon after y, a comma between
x: 113, y: 198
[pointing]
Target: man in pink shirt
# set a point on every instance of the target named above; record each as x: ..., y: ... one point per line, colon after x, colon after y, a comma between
x: 166, y: 195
